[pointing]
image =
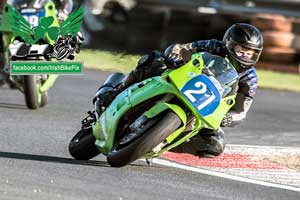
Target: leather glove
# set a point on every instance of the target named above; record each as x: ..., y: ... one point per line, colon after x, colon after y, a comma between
x: 153, y: 64
x: 174, y: 56
x: 227, y: 120
x: 176, y: 60
x: 218, y: 48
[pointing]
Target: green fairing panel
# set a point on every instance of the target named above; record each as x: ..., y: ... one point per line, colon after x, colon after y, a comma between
x: 104, y: 130
x: 160, y: 107
x: 182, y: 75
x: 214, y: 120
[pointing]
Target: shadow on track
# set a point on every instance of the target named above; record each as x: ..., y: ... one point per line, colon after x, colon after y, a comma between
x: 53, y: 159
x: 23, y: 156
x: 14, y: 106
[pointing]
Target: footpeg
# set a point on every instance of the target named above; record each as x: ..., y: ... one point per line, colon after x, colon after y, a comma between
x: 149, y: 161
x: 86, y: 122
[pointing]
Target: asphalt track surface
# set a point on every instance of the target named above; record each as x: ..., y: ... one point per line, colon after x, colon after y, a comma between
x: 35, y: 163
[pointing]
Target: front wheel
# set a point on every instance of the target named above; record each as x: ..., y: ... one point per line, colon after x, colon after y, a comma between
x: 122, y: 155
x: 82, y: 145
x: 44, y: 99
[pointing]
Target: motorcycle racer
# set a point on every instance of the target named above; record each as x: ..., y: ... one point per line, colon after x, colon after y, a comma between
x: 242, y: 45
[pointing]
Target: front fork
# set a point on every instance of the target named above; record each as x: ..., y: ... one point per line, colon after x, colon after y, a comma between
x: 48, y: 82
x: 92, y: 117
x: 44, y: 82
x: 190, y: 125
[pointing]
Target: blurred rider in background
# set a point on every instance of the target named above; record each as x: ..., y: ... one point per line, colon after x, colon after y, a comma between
x: 64, y: 7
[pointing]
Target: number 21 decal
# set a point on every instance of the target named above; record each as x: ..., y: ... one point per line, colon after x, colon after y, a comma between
x: 202, y: 94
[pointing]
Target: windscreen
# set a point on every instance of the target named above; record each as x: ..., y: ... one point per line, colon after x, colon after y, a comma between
x: 221, y: 72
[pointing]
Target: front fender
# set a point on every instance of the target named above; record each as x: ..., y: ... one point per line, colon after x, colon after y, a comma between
x: 48, y: 83
x: 162, y: 106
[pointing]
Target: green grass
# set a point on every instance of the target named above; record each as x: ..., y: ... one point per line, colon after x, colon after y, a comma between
x: 278, y: 80
x: 108, y: 61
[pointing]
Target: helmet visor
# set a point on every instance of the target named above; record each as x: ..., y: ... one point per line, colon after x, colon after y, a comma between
x: 246, y: 55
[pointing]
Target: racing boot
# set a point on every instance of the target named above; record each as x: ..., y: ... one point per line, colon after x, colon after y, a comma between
x: 109, y: 90
x: 207, y: 143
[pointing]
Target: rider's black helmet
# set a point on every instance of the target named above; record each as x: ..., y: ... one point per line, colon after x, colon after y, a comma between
x: 246, y: 37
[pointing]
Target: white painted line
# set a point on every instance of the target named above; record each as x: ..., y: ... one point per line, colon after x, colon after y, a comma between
x: 258, y: 146
x: 222, y: 175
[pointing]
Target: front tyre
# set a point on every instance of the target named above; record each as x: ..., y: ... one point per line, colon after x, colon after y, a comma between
x: 44, y: 99
x: 122, y: 155
x: 82, y: 146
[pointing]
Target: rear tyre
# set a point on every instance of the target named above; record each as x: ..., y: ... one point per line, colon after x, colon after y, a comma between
x: 30, y: 92
x: 122, y: 155
x: 82, y: 146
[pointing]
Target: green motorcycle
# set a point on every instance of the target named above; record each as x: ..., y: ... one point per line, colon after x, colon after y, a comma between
x: 159, y: 113
x: 34, y: 87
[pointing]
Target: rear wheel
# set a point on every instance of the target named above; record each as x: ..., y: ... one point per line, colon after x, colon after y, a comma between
x: 30, y: 92
x: 123, y: 154
x: 82, y: 145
